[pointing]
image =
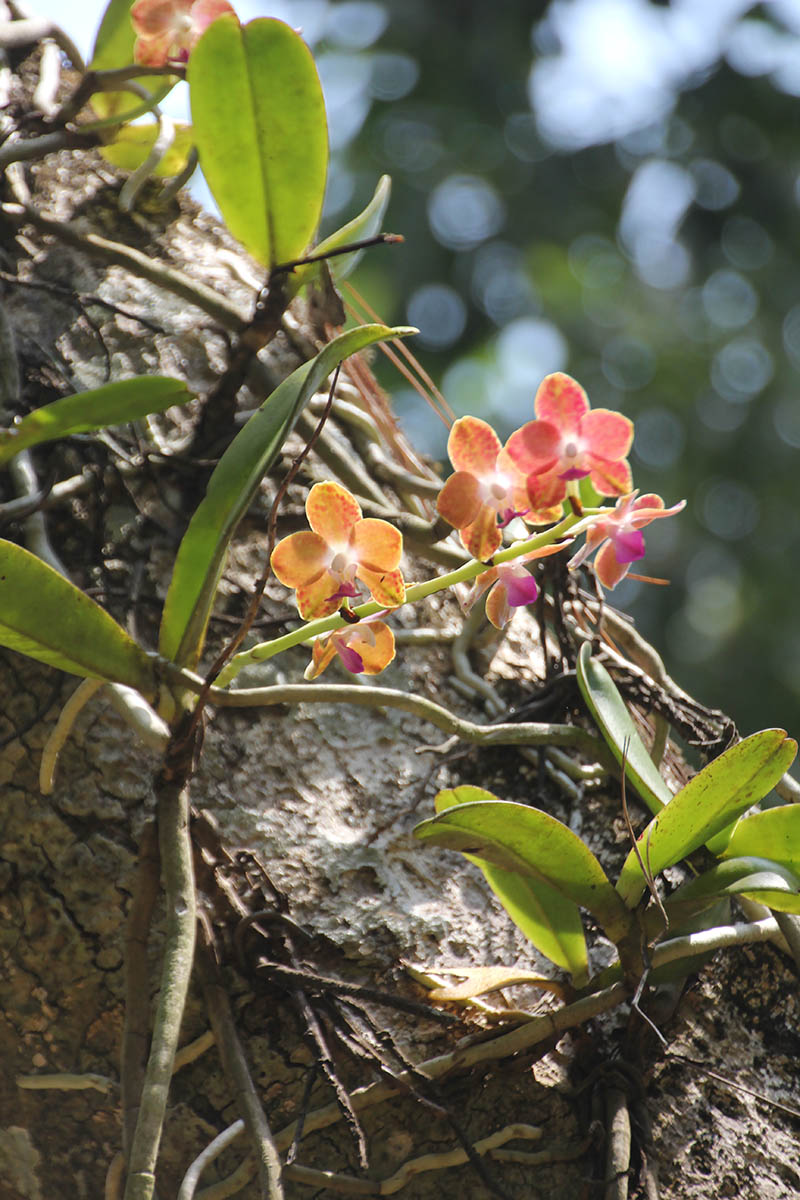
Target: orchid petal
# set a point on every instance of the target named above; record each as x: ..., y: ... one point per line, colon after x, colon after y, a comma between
x: 205, y: 11
x: 610, y: 478
x: 375, y: 654
x: 473, y: 446
x: 607, y: 567
x: 349, y: 656
x: 151, y: 18
x: 300, y: 558
x: 377, y: 544
x: 497, y: 607
x: 534, y: 448
x: 482, y: 537
x: 332, y: 512
x: 546, y: 494
x: 459, y: 501
x: 608, y: 434
x: 562, y: 401
x: 628, y: 545
x: 521, y: 588
x: 323, y: 653
x: 387, y: 587
x: 318, y: 598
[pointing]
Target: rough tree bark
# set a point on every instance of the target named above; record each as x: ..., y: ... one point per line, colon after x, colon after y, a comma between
x: 322, y: 797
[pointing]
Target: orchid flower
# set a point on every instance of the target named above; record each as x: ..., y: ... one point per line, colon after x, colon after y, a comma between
x: 486, y: 491
x: 511, y: 586
x: 167, y: 30
x: 618, y: 537
x: 569, y: 440
x: 364, y: 649
x: 323, y: 563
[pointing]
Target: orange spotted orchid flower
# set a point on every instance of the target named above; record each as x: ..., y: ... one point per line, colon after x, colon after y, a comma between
x: 322, y: 564
x: 569, y: 440
x: 618, y: 537
x: 364, y: 649
x: 167, y: 30
x: 486, y: 491
x: 511, y: 586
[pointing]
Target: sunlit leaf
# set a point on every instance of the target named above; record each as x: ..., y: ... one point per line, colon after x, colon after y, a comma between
x: 752, y: 877
x: 113, y: 48
x: 722, y: 791
x: 616, y: 725
x: 113, y: 404
x: 774, y: 834
x: 201, y: 555
x: 260, y: 130
x: 133, y: 143
x: 547, y: 918
x: 529, y: 842
x: 46, y: 617
x: 367, y: 224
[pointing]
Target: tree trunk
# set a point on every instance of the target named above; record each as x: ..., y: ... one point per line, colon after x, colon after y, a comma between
x: 308, y: 807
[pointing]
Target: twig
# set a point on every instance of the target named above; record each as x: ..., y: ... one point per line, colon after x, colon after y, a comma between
x: 178, y: 881
x: 61, y: 731
x: 206, y: 1157
x: 618, y: 1145
x: 137, y: 992
x: 235, y: 1066
x: 65, y: 1083
x: 540, y: 1029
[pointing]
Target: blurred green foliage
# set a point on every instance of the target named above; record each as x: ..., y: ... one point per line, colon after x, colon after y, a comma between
x: 608, y: 187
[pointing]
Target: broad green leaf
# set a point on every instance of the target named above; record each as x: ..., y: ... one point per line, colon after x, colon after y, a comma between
x: 260, y: 130
x: 774, y: 834
x: 133, y: 143
x: 547, y: 918
x: 201, y: 555
x: 113, y: 48
x: 752, y: 877
x: 46, y: 617
x: 720, y: 793
x: 529, y: 842
x: 614, y: 722
x: 366, y: 225
x: 113, y: 404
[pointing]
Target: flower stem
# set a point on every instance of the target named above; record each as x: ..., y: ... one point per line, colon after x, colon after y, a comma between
x: 571, y: 525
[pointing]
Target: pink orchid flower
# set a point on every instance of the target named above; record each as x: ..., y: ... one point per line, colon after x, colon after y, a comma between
x: 569, y: 440
x: 364, y: 649
x: 618, y: 537
x: 323, y: 563
x: 511, y: 586
x: 486, y: 491
x: 167, y: 30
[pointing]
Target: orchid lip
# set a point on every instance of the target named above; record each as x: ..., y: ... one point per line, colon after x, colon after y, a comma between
x: 573, y: 473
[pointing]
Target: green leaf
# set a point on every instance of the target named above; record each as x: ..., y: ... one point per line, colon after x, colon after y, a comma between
x: 529, y: 842
x: 753, y: 877
x: 260, y: 130
x: 710, y: 801
x: 201, y: 555
x: 113, y: 47
x: 614, y: 722
x: 113, y: 404
x: 547, y: 918
x: 366, y: 225
x: 46, y: 617
x: 774, y: 834
x: 133, y: 143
